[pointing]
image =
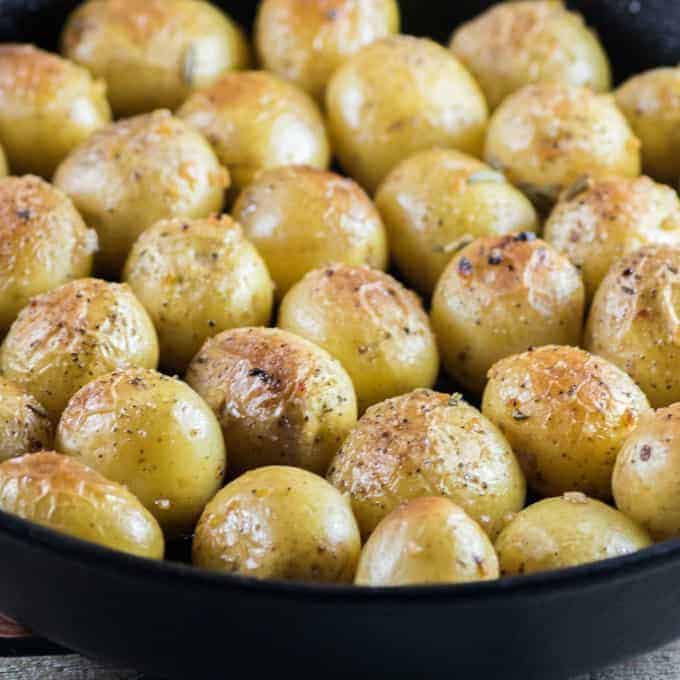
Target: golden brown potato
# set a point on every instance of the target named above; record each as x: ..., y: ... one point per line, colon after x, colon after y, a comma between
x: 556, y: 533
x: 62, y: 494
x: 301, y: 218
x: 500, y: 296
x: 305, y: 42
x: 566, y: 414
x: 369, y: 322
x: 48, y: 106
x: 279, y: 523
x: 197, y: 278
x: 139, y: 171
x: 153, y: 434
x: 154, y: 53
x: 280, y: 399
x: 428, y: 444
x: 69, y: 336
x: 398, y: 96
x: 427, y: 540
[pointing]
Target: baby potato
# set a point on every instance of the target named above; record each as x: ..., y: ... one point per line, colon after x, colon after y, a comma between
x: 368, y: 321
x: 568, y: 531
x: 67, y: 496
x: 48, y: 106
x: 398, y: 96
x: 427, y: 540
x: 72, y: 334
x: 153, y: 54
x: 153, y: 434
x: 500, y: 296
x: 517, y: 43
x: 301, y: 218
x: 279, y: 398
x: 197, y: 278
x: 428, y: 444
x: 566, y: 414
x: 279, y: 523
x: 136, y: 172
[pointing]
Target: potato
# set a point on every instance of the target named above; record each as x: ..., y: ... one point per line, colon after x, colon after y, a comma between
x: 153, y: 54
x: 556, y: 533
x: 48, y: 106
x: 62, y: 494
x: 136, y: 172
x: 428, y: 444
x: 500, y: 296
x: 43, y: 243
x: 301, y: 218
x: 427, y: 540
x: 255, y: 121
x: 305, y: 42
x: 398, y: 96
x: 369, y: 322
x: 633, y: 321
x: 279, y: 523
x: 566, y: 414
x: 279, y: 398
x: 197, y: 278
x: 153, y: 434
x: 69, y: 336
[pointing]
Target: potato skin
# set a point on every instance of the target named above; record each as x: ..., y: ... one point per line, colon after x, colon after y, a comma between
x: 368, y: 321
x: 500, y: 296
x: 280, y: 399
x: 398, y: 96
x: 301, y: 218
x: 74, y: 333
x: 566, y: 414
x: 153, y: 434
x: 426, y: 443
x: 48, y: 106
x: 427, y: 540
x: 197, y: 278
x: 67, y: 496
x: 279, y: 523
x: 153, y: 54
x: 568, y: 531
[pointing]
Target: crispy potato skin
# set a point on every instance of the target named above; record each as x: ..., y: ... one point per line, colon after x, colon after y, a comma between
x: 62, y: 494
x: 398, y: 96
x: 72, y: 334
x: 197, y: 278
x: 566, y: 414
x: 427, y: 540
x: 280, y: 399
x: 500, y: 296
x: 279, y: 523
x: 426, y: 443
x: 153, y: 54
x: 567, y: 531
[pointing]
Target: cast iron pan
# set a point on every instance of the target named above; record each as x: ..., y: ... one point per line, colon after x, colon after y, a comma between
x: 172, y: 621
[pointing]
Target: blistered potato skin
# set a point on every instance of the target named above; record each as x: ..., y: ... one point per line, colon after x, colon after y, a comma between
x: 280, y: 523
x: 280, y: 399
x: 197, y: 278
x: 566, y: 414
x: 62, y: 494
x: 153, y: 54
x: 74, y: 333
x: 398, y: 96
x: 368, y: 321
x: 48, y: 106
x: 500, y: 296
x: 426, y: 443
x: 427, y: 540
x: 154, y: 435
